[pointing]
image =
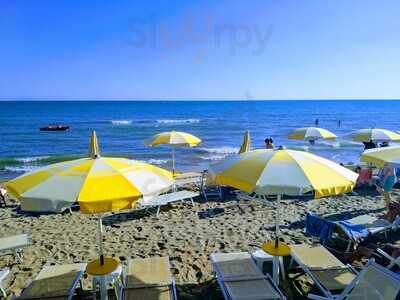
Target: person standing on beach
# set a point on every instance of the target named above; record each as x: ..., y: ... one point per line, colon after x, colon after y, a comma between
x: 387, y: 182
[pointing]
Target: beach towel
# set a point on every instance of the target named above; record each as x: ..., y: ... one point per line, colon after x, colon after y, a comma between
x: 355, y: 231
x: 318, y: 227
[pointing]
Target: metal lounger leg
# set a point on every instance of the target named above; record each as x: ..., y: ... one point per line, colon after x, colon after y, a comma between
x: 18, y: 255
x: 158, y: 210
x: 191, y: 200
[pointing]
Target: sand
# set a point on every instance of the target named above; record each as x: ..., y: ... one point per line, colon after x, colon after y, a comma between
x: 178, y: 232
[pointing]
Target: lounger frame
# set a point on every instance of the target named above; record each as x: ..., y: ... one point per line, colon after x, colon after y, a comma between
x: 71, y: 290
x: 3, y: 275
x: 171, y: 284
x: 327, y: 293
x: 224, y: 289
x: 17, y: 250
x: 347, y: 291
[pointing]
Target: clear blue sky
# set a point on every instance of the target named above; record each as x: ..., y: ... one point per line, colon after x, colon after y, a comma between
x: 175, y: 49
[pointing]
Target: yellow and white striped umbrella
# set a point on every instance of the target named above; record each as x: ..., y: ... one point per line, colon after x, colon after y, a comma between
x: 373, y: 134
x: 174, y: 139
x: 382, y: 156
x: 283, y: 172
x: 312, y: 134
x: 98, y: 184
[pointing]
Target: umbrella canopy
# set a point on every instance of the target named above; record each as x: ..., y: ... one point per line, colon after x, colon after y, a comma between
x: 373, y: 134
x: 382, y: 156
x: 98, y: 184
x: 246, y: 145
x: 173, y: 138
x: 282, y: 171
x: 312, y: 134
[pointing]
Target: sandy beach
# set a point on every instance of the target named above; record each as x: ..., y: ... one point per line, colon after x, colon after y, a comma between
x: 178, y: 232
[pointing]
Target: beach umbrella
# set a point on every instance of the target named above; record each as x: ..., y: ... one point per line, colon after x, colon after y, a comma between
x: 382, y: 156
x: 99, y: 184
x: 373, y: 134
x: 246, y: 145
x: 312, y: 134
x: 282, y: 172
x: 174, y: 139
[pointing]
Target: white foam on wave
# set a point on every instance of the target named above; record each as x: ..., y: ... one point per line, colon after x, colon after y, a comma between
x: 121, y: 122
x: 214, y: 157
x: 221, y: 150
x: 178, y: 121
x: 21, y: 169
x: 31, y: 159
x: 157, y: 161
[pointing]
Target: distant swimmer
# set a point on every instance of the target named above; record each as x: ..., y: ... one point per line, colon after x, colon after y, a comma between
x: 312, y: 142
x: 269, y: 143
x: 316, y: 122
x: 339, y: 123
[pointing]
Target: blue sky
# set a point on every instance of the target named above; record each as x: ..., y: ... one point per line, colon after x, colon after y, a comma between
x: 192, y: 50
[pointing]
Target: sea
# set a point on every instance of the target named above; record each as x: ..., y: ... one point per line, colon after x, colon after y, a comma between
x: 122, y: 127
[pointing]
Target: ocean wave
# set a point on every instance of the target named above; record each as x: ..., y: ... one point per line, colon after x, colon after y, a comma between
x: 157, y: 161
x: 31, y: 159
x: 178, y: 121
x: 121, y: 122
x: 20, y: 169
x: 220, y: 150
x: 211, y: 157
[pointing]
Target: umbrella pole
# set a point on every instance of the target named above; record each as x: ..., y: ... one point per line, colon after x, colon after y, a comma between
x: 100, y: 228
x: 277, y: 220
x: 173, y: 168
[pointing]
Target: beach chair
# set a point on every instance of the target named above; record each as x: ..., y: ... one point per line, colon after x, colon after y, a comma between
x: 55, y: 282
x: 14, y: 245
x: 374, y: 282
x: 328, y: 273
x: 150, y: 279
x: 3, y: 275
x: 209, y: 191
x: 240, y: 279
x: 360, y: 227
x: 165, y: 199
x: 188, y: 179
x: 392, y: 261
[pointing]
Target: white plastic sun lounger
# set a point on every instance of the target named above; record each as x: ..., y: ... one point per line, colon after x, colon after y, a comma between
x: 14, y: 245
x: 3, y: 275
x: 240, y: 278
x: 374, y: 282
x: 150, y: 279
x: 55, y: 282
x: 392, y: 261
x: 165, y: 199
x: 328, y: 273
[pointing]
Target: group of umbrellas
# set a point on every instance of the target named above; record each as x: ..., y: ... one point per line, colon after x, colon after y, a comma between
x: 363, y: 135
x: 103, y: 184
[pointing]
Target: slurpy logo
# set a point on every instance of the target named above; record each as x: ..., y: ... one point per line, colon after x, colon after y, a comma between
x: 201, y: 33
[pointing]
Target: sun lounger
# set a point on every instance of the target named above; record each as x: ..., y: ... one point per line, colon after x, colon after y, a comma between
x: 165, y: 199
x: 209, y: 191
x: 241, y: 279
x: 189, y: 178
x: 392, y: 261
x: 374, y: 282
x: 55, y: 282
x: 3, y: 275
x: 14, y: 244
x: 150, y: 279
x: 327, y: 272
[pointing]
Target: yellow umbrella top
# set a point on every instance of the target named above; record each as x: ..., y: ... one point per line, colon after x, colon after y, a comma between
x: 312, y: 134
x: 246, y: 145
x: 281, y: 171
x: 173, y: 138
x: 373, y: 134
x: 99, y: 184
x: 94, y: 150
x: 382, y: 156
